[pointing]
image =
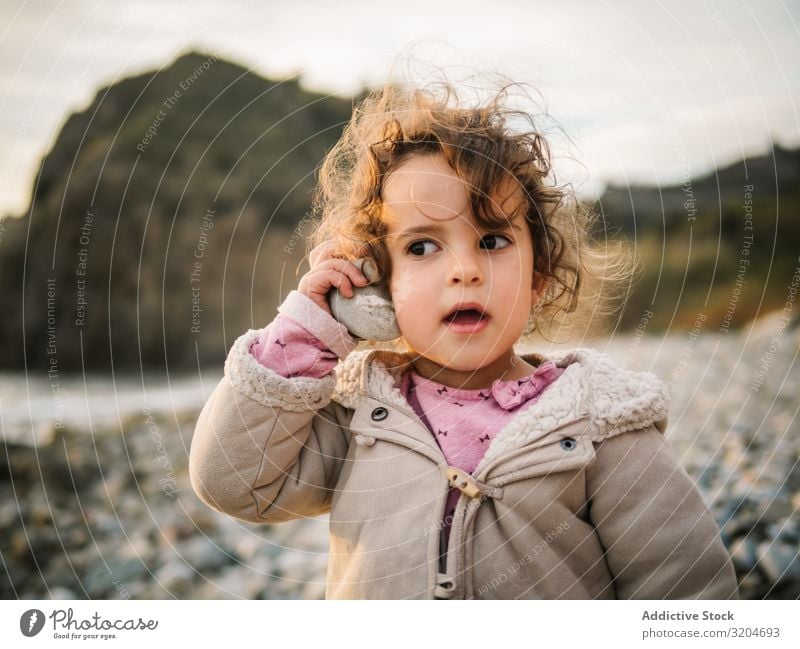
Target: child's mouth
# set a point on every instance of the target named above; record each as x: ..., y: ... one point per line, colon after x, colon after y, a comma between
x: 465, y: 316
x: 466, y: 321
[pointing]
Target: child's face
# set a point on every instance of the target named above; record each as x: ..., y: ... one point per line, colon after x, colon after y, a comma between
x: 453, y: 261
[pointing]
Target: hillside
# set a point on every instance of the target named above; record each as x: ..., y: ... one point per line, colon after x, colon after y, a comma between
x: 723, y: 247
x: 159, y: 219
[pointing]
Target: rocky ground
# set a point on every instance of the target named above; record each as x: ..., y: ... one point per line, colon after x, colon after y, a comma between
x: 101, y: 506
x: 734, y: 419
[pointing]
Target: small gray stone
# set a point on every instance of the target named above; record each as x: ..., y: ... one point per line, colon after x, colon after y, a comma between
x: 100, y: 580
x: 58, y: 592
x: 239, y: 582
x: 779, y: 562
x: 203, y: 554
x: 743, y: 553
x: 369, y: 314
x: 175, y: 575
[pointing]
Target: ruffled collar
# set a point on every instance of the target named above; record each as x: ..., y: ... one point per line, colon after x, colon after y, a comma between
x: 507, y: 394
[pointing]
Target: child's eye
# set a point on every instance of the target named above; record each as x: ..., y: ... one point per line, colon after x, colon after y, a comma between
x: 494, y: 241
x: 417, y: 248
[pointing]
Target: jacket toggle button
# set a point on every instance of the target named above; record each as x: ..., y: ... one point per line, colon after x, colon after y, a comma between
x: 379, y: 414
x: 568, y: 444
x: 445, y: 586
x: 463, y: 481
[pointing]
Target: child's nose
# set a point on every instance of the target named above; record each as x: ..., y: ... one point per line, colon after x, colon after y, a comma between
x: 465, y: 269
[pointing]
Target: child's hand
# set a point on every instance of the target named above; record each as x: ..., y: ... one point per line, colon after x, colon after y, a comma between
x: 328, y: 270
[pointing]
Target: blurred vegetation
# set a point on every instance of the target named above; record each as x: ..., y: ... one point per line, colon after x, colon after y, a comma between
x: 204, y: 162
x: 705, y: 250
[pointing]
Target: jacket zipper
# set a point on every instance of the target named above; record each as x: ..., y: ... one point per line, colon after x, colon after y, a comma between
x: 442, y: 563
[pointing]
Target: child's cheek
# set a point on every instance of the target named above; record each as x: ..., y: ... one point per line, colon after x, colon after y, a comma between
x: 401, y: 288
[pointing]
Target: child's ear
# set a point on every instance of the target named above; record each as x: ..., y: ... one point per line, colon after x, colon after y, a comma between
x: 538, y: 286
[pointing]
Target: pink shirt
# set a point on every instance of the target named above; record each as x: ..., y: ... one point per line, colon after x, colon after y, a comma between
x: 464, y: 422
x: 300, y: 340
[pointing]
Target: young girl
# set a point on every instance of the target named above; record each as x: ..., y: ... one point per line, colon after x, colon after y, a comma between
x: 451, y: 466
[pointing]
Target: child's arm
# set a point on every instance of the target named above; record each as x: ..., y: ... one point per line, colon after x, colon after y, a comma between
x: 661, y: 540
x: 269, y: 447
x: 290, y: 349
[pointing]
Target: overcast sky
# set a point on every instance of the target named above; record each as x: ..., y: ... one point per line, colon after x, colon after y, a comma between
x: 646, y: 91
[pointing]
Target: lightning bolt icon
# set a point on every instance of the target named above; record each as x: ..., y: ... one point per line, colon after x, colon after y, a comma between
x: 32, y: 621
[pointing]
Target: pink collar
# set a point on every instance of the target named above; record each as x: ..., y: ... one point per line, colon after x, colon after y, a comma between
x: 507, y: 394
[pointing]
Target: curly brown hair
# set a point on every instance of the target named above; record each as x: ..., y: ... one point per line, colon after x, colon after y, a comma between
x: 583, y: 277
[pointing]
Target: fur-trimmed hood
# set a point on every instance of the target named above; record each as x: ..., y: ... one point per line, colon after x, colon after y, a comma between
x: 614, y: 399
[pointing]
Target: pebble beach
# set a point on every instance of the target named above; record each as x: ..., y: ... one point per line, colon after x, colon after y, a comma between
x: 95, y: 499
